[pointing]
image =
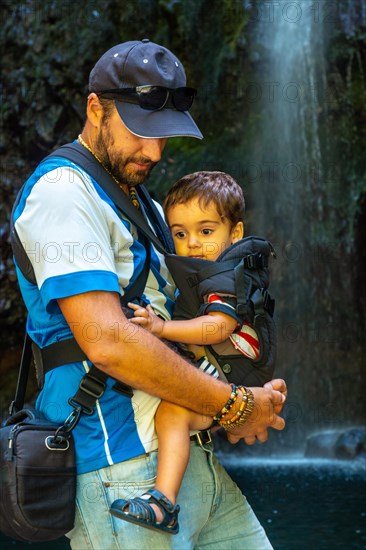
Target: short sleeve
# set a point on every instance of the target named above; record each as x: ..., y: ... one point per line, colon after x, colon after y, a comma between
x: 224, y: 304
x: 63, y: 228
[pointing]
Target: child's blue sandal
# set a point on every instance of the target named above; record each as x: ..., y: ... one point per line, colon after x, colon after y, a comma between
x: 140, y: 512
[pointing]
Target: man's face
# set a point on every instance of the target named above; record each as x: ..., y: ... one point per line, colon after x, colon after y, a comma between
x: 128, y: 157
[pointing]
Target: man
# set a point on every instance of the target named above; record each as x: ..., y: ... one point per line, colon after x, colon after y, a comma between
x: 85, y: 255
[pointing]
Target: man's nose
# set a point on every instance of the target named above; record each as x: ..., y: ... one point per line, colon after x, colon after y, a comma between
x: 153, y: 147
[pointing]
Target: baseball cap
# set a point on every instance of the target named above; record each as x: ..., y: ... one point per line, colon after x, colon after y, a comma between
x: 142, y: 63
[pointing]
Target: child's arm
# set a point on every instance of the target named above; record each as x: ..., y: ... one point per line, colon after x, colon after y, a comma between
x: 212, y: 328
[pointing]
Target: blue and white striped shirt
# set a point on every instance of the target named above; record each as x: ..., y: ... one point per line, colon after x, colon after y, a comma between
x: 77, y: 242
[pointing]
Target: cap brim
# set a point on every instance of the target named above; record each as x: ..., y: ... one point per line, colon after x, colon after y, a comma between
x: 165, y: 123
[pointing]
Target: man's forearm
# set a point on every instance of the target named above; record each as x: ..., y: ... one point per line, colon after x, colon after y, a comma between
x: 131, y: 354
x: 146, y: 363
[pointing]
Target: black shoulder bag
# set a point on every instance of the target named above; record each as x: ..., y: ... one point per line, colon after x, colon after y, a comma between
x: 37, y: 462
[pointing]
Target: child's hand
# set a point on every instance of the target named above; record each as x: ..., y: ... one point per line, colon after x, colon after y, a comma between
x: 147, y: 318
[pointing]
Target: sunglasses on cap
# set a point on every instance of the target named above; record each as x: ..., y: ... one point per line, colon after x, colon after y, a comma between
x: 153, y: 98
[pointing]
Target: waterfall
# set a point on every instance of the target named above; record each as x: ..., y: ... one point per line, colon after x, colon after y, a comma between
x: 290, y: 155
x: 292, y: 206
x: 289, y: 202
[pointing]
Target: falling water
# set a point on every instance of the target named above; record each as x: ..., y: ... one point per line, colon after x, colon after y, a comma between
x: 289, y: 199
x: 290, y: 154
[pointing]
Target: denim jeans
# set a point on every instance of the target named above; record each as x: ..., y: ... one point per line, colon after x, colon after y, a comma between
x: 214, y: 514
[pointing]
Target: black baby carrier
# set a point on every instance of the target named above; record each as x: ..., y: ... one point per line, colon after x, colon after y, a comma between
x: 241, y: 274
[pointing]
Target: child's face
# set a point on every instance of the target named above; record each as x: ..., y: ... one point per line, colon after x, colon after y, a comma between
x: 201, y: 232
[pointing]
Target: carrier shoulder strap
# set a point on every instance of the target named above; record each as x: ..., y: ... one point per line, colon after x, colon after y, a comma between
x: 156, y: 218
x: 91, y: 388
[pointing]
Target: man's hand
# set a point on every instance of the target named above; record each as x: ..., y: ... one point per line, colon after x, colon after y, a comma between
x: 269, y: 402
x: 279, y: 385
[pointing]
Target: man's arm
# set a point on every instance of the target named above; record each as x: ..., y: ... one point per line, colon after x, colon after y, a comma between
x: 131, y: 354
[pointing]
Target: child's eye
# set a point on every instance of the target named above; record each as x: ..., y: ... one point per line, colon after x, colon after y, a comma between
x: 207, y: 231
x: 180, y: 234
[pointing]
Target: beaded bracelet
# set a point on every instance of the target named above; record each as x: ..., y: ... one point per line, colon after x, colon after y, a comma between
x: 242, y: 408
x: 245, y: 410
x: 227, y: 407
x: 224, y: 423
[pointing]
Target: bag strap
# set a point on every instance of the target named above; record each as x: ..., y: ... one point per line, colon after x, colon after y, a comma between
x: 25, y: 362
x: 19, y: 252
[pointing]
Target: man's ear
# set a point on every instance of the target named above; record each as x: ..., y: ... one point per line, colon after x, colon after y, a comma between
x: 237, y: 232
x: 94, y: 110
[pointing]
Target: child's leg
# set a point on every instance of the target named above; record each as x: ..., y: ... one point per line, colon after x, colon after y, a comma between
x: 173, y: 424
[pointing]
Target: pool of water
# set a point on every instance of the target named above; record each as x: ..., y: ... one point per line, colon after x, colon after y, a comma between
x: 303, y: 504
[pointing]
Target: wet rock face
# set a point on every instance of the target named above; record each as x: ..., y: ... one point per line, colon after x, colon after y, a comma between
x: 346, y: 444
x: 321, y: 445
x: 351, y: 444
x: 12, y: 310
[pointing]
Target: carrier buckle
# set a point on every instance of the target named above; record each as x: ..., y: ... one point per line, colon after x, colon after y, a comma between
x: 251, y: 261
x: 92, y: 386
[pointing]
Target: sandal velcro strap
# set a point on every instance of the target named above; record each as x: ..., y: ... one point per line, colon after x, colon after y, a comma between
x: 163, y: 502
x: 139, y: 510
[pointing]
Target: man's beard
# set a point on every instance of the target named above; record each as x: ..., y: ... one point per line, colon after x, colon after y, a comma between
x: 116, y: 163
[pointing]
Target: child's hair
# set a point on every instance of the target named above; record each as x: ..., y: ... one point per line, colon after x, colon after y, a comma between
x: 208, y: 187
